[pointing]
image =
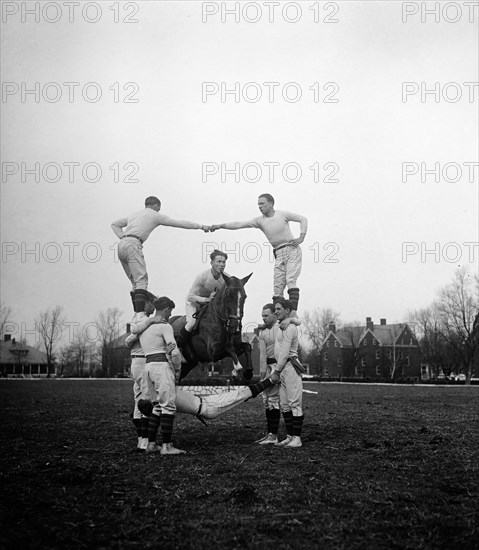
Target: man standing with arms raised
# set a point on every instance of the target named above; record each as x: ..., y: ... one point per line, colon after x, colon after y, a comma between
x: 287, y: 252
x: 133, y: 232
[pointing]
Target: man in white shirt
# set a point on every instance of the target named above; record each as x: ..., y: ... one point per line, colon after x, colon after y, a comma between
x: 202, y: 291
x: 287, y: 252
x: 161, y: 377
x: 133, y: 232
x: 288, y: 371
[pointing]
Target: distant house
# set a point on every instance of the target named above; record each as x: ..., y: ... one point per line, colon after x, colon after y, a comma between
x: 20, y: 360
x: 376, y: 352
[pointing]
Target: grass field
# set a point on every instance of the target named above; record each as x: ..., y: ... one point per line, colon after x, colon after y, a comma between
x: 381, y: 467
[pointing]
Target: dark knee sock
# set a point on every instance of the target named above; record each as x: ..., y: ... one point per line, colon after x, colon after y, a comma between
x: 153, y: 423
x: 268, y: 419
x: 140, y: 297
x: 167, y: 427
x: 297, y: 425
x: 288, y: 422
x: 274, y: 418
x: 294, y: 297
x: 137, y: 423
x: 144, y: 426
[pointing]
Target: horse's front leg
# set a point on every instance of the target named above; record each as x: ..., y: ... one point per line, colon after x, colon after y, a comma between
x: 237, y: 366
x: 246, y: 350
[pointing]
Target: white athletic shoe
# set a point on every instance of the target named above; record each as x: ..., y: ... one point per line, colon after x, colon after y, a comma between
x: 295, y: 442
x: 261, y: 438
x: 285, y: 441
x: 270, y: 439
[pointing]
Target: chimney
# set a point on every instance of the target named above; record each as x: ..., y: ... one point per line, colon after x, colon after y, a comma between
x: 369, y: 323
x: 332, y: 327
x: 383, y: 321
x: 7, y: 337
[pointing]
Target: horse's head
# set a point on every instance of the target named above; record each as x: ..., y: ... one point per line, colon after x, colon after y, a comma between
x: 234, y: 299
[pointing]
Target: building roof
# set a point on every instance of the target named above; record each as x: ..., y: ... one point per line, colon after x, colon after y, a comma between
x: 12, y: 352
x: 387, y: 335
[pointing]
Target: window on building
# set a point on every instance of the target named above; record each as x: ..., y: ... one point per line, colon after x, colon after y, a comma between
x: 326, y: 356
x: 336, y: 344
x: 378, y: 370
x: 375, y: 342
x: 339, y: 362
x: 389, y: 354
x: 363, y: 362
x: 377, y: 354
x: 328, y: 344
x: 356, y: 371
x: 326, y: 372
x: 365, y: 343
x: 407, y: 360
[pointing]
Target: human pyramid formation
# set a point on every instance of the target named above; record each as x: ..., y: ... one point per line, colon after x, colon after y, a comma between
x: 156, y: 356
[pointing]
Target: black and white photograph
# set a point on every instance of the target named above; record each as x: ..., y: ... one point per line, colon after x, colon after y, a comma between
x: 239, y: 294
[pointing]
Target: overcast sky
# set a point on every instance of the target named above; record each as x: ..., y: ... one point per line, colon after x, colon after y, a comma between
x: 359, y: 142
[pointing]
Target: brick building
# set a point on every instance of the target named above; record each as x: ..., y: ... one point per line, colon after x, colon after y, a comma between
x: 374, y: 352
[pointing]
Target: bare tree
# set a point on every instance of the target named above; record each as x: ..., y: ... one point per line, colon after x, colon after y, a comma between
x: 457, y: 307
x: 65, y: 360
x: 316, y: 328
x: 49, y: 325
x: 6, y: 314
x: 108, y: 327
x: 79, y: 348
x: 434, y: 347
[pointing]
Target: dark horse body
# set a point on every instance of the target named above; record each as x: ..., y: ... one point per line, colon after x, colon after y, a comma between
x: 217, y: 334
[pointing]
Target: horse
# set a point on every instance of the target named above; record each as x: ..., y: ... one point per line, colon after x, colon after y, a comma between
x: 218, y: 331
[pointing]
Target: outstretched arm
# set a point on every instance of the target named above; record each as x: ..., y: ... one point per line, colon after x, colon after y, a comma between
x: 235, y: 225
x: 182, y: 224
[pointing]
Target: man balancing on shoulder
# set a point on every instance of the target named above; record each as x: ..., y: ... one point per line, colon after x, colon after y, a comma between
x: 133, y: 231
x: 287, y: 252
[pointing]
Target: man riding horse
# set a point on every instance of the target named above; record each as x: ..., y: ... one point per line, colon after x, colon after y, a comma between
x: 202, y: 291
x: 213, y: 332
x: 218, y: 331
